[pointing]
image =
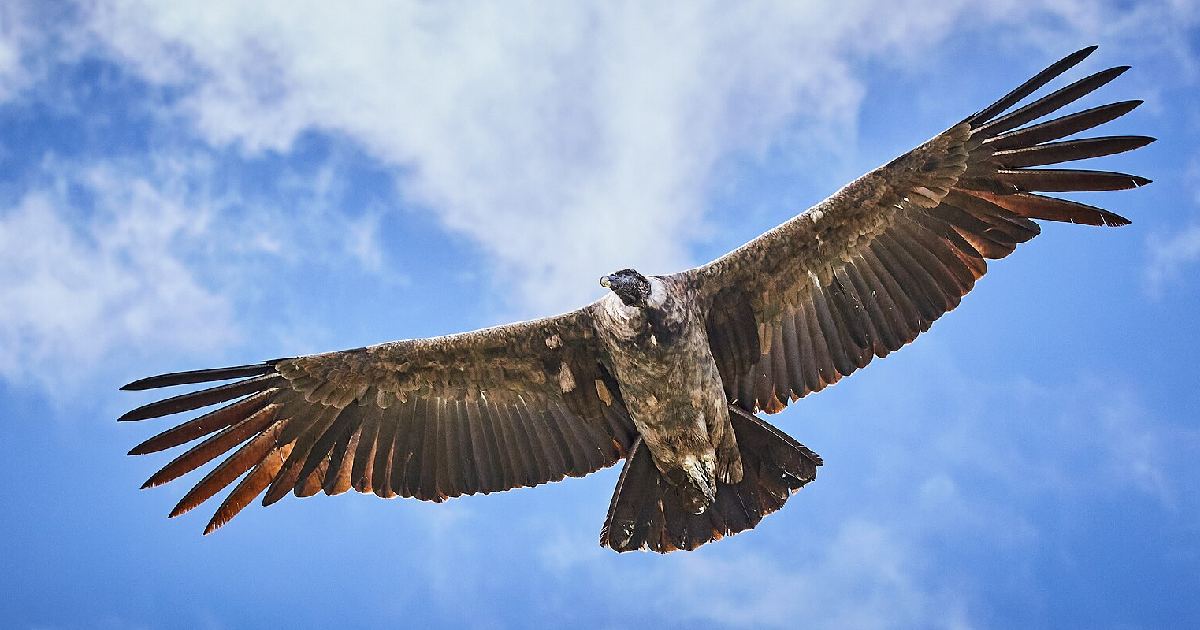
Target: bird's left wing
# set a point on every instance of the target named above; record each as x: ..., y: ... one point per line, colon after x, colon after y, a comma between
x: 865, y: 271
x: 483, y: 411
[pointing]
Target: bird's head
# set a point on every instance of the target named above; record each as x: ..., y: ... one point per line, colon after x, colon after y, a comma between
x: 632, y: 287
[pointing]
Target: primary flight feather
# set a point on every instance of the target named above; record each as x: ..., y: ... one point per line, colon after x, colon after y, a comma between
x: 665, y: 372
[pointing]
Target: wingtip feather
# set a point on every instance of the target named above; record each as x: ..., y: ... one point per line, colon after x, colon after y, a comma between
x: 1032, y: 85
x: 200, y: 376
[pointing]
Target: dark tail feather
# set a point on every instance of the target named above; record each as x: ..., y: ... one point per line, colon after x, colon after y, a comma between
x: 647, y: 512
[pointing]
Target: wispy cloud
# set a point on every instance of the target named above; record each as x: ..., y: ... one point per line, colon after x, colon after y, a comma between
x: 563, y: 139
x: 17, y: 36
x: 864, y: 577
x: 106, y: 262
x: 1171, y: 254
x: 79, y: 286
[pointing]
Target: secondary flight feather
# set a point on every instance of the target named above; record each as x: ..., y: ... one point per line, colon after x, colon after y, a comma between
x: 665, y: 372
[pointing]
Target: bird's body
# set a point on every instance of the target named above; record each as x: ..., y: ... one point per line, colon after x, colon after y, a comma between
x: 665, y: 372
x: 671, y: 386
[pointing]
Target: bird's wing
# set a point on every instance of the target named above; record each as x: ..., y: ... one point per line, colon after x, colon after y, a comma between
x: 483, y: 411
x: 865, y: 271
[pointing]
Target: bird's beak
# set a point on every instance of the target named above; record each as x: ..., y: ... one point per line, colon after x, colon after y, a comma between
x: 604, y: 281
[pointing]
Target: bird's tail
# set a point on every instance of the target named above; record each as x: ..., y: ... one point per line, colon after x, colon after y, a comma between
x: 647, y: 512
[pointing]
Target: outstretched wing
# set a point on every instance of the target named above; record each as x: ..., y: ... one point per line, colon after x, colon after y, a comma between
x: 865, y: 271
x: 483, y: 411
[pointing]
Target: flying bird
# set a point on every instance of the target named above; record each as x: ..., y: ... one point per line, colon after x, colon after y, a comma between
x: 665, y: 372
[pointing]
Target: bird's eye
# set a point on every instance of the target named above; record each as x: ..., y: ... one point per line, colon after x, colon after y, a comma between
x: 604, y: 281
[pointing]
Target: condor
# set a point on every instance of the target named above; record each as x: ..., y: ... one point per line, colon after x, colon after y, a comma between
x: 665, y: 372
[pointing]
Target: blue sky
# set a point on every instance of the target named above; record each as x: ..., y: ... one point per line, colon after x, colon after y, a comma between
x: 186, y: 186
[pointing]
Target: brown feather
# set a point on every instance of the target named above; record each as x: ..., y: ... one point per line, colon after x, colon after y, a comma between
x: 214, y: 446
x: 245, y: 458
x: 885, y: 334
x: 523, y: 425
x: 448, y: 454
x: 988, y: 241
x: 205, y: 424
x: 917, y: 286
x: 385, y: 450
x: 526, y: 465
x: 251, y: 486
x: 289, y: 476
x: 431, y: 446
x: 1034, y: 206
x: 572, y: 452
x: 414, y: 460
x: 312, y: 484
x: 893, y: 300
x: 324, y: 448
x: 1068, y: 150
x: 342, y: 462
x: 1030, y: 86
x: 1067, y: 180
x: 850, y: 311
x: 934, y: 256
x: 794, y: 357
x: 552, y: 451
x: 1060, y: 127
x: 201, y: 376
x: 202, y: 398
x: 364, y: 456
x: 1051, y: 102
x: 479, y: 454
x: 777, y: 363
x: 843, y: 363
x: 826, y: 371
x: 966, y: 253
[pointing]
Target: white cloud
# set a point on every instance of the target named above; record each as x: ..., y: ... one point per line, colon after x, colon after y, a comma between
x: 107, y: 262
x: 1170, y: 256
x: 16, y: 37
x: 865, y: 577
x: 80, y: 289
x: 566, y: 139
x: 856, y: 573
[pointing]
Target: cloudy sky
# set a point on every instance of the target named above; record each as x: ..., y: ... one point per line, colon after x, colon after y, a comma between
x: 185, y: 186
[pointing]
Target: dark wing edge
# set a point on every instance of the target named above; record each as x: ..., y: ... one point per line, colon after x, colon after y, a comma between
x: 490, y: 410
x: 864, y: 272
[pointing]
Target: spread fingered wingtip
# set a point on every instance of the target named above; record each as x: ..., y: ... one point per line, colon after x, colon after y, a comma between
x: 1030, y: 86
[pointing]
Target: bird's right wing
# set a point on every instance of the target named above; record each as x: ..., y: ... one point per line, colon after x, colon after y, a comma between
x: 499, y: 408
x: 865, y: 271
